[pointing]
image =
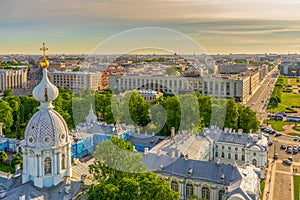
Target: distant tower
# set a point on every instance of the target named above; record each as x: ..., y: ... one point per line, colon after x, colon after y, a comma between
x: 91, y: 118
x: 46, y: 147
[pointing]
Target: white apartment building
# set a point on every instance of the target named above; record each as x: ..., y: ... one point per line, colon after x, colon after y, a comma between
x: 15, y: 78
x: 239, y: 87
x: 76, y: 80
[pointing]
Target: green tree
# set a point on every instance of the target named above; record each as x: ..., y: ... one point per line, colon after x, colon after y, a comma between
x: 8, y: 92
x: 120, y: 174
x: 247, y: 119
x: 17, y: 159
x: 3, y: 157
x: 231, y: 114
x: 6, y: 116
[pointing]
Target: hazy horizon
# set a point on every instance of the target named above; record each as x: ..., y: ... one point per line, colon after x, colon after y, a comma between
x: 77, y: 27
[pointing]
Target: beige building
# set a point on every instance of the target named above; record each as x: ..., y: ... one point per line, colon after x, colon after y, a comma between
x: 239, y: 87
x: 15, y: 78
x: 76, y: 80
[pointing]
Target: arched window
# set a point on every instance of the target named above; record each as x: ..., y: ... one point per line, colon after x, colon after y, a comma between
x: 236, y: 156
x: 254, y: 162
x: 189, y: 190
x: 221, y: 194
x: 174, y: 186
x: 216, y: 154
x: 243, y: 157
x: 254, y: 154
x: 205, y: 193
x: 223, y: 155
x: 229, y: 155
x: 47, y: 165
x: 63, y: 161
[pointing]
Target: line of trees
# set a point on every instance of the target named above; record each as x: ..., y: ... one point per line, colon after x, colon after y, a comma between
x: 275, y: 98
x: 184, y: 112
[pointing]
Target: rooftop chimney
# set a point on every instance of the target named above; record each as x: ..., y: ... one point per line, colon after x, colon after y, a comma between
x: 173, y: 132
x: 190, y: 172
x: 146, y: 150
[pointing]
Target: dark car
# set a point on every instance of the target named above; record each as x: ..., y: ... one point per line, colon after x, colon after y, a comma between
x: 273, y: 132
x: 287, y: 162
x: 283, y: 146
x: 270, y: 143
x: 276, y: 156
x: 278, y: 134
x: 295, y: 150
x: 296, y: 138
x: 289, y: 150
x: 290, y: 158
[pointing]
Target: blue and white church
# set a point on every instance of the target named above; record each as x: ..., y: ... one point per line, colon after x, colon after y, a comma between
x: 46, y: 148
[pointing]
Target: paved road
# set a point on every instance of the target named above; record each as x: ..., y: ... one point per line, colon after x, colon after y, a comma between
x: 258, y: 101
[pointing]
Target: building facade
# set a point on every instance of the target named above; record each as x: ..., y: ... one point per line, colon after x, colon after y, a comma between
x: 76, y: 80
x: 15, y: 78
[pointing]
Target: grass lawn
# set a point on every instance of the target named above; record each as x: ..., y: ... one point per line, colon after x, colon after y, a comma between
x: 262, y: 187
x: 7, y: 168
x: 297, y: 128
x: 296, y: 187
x: 294, y: 134
x: 293, y: 81
x: 277, y: 125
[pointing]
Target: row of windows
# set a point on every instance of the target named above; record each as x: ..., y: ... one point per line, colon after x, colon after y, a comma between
x: 229, y: 148
x: 205, y: 191
x: 229, y: 156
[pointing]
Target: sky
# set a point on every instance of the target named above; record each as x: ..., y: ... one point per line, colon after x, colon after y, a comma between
x: 217, y: 26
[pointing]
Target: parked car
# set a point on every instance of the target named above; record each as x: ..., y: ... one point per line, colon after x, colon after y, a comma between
x: 291, y: 158
x: 295, y: 150
x: 282, y: 114
x: 289, y: 150
x: 296, y: 138
x: 287, y: 162
x: 276, y: 156
x: 270, y: 143
x: 299, y: 147
x: 273, y: 132
x: 278, y: 134
x: 283, y: 146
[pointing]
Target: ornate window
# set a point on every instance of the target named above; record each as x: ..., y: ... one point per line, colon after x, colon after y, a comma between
x: 189, y: 190
x: 222, y: 155
x: 205, y: 193
x: 229, y: 148
x: 63, y: 161
x: 236, y: 149
x: 254, y: 162
x: 221, y: 194
x: 254, y: 154
x: 48, y: 165
x: 243, y: 157
x: 229, y: 155
x: 222, y: 147
x: 174, y: 186
x: 216, y: 155
x: 236, y: 156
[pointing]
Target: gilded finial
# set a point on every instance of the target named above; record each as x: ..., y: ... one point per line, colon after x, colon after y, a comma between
x: 44, y: 64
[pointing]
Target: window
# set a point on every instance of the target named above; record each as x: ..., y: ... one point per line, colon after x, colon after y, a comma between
x: 216, y: 154
x: 189, y: 190
x: 222, y: 147
x: 223, y: 155
x: 229, y: 155
x: 63, y: 161
x: 229, y: 148
x: 217, y: 146
x: 174, y: 186
x: 221, y: 194
x: 254, y: 162
x: 254, y: 154
x: 243, y: 157
x: 205, y: 193
x: 236, y: 156
x: 236, y: 149
x: 47, y: 165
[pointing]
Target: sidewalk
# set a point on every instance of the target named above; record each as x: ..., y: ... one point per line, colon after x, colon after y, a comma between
x: 269, y: 181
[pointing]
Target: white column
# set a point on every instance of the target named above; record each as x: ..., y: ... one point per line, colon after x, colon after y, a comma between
x: 55, y: 164
x: 58, y: 163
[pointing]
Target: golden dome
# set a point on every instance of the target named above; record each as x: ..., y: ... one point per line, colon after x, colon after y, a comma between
x: 44, y: 64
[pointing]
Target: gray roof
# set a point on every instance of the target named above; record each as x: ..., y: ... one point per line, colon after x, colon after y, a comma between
x: 153, y: 161
x: 52, y: 193
x: 234, y: 138
x: 242, y: 193
x: 204, y: 171
x: 144, y: 140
